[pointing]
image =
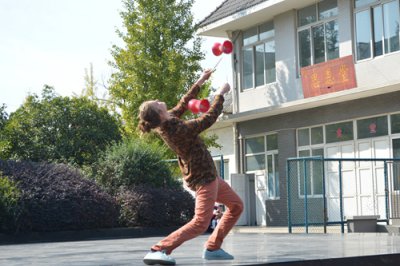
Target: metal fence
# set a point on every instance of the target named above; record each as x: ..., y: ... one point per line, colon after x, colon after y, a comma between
x: 324, y: 192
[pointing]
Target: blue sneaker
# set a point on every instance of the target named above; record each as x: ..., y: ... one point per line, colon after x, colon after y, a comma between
x: 158, y: 257
x: 218, y: 254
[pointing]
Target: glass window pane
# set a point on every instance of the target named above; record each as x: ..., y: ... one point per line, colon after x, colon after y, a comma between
x: 270, y: 177
x: 304, y: 153
x: 317, y: 175
x: 360, y: 3
x: 319, y: 44
x: 307, y: 15
x: 256, y: 162
x: 303, y: 137
x: 378, y: 30
x: 305, y: 48
x: 250, y: 36
x: 276, y: 169
x: 255, y: 145
x: 391, y: 26
x: 396, y: 164
x: 317, y: 135
x: 327, y: 9
x: 305, y: 176
x: 270, y: 61
x: 248, y: 68
x: 395, y: 123
x: 272, y: 142
x: 332, y: 39
x: 317, y: 152
x: 259, y: 58
x: 372, y: 127
x: 339, y: 132
x: 363, y: 35
x: 225, y: 174
x: 226, y: 170
x: 267, y: 31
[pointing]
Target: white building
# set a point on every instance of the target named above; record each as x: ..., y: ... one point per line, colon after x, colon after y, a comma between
x: 309, y: 78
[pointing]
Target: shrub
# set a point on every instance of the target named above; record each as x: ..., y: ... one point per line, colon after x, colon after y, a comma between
x: 132, y: 163
x: 158, y: 207
x: 56, y: 197
x: 9, y: 196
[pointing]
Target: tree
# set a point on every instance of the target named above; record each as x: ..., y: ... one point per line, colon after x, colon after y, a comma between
x: 160, y: 59
x: 59, y: 129
x: 4, y: 144
x: 3, y: 116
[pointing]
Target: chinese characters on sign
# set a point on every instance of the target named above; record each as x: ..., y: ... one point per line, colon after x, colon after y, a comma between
x: 334, y: 75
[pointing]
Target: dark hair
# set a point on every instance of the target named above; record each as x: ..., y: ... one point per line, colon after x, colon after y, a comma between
x: 149, y: 117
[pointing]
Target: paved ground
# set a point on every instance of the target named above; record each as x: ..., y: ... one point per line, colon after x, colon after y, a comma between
x: 248, y: 248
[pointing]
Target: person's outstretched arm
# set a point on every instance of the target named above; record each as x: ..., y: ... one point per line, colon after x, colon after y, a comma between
x: 208, y: 119
x: 181, y: 107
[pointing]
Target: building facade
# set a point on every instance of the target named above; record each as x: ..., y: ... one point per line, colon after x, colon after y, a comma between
x: 310, y: 78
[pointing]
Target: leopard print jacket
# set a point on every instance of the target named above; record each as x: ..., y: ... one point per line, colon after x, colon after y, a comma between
x: 195, y: 161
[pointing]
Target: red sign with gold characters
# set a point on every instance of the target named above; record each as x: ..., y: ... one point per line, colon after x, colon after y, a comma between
x: 334, y: 75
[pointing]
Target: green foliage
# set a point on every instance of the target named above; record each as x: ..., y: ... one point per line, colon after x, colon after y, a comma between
x: 160, y: 59
x: 57, y: 197
x: 58, y: 129
x: 4, y: 144
x: 130, y: 163
x: 9, y: 196
x: 3, y: 116
x: 158, y: 207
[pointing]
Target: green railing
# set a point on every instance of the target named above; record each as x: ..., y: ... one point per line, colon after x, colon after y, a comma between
x: 323, y: 191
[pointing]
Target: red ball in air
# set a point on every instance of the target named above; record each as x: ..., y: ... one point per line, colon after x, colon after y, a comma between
x: 216, y: 49
x: 227, y: 47
x: 196, y: 106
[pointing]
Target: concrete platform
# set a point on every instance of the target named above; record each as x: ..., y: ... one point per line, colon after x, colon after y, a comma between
x: 248, y: 248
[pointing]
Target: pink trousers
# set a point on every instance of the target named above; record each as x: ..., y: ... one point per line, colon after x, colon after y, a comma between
x: 206, y: 196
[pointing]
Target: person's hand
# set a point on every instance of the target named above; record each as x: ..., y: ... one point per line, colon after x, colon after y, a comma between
x: 224, y: 89
x: 204, y: 77
x: 206, y: 74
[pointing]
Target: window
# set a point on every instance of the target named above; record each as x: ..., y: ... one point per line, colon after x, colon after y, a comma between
x: 259, y: 56
x: 396, y: 164
x: 318, y: 33
x: 313, y: 183
x: 223, y: 170
x: 372, y: 127
x: 314, y: 135
x: 395, y: 123
x: 339, y: 132
x: 262, y: 154
x: 310, y: 143
x: 377, y: 28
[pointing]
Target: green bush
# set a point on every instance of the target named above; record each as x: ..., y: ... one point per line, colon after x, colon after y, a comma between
x: 9, y: 196
x: 132, y: 163
x: 56, y: 197
x: 157, y: 207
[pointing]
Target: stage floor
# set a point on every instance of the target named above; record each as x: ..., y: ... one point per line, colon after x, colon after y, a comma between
x: 248, y: 249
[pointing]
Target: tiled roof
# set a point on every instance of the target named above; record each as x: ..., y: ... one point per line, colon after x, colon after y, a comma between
x: 228, y: 8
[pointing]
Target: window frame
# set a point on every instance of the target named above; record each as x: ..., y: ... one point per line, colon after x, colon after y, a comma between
x: 370, y: 8
x: 275, y: 194
x: 309, y: 27
x: 253, y: 46
x: 309, y: 148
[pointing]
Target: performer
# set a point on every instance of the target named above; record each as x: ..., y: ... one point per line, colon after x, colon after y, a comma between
x: 198, y: 170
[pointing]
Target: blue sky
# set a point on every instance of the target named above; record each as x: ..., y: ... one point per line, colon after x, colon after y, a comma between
x: 53, y: 41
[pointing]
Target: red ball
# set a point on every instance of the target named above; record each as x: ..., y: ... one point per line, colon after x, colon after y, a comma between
x: 227, y: 47
x: 196, y: 106
x: 216, y: 49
